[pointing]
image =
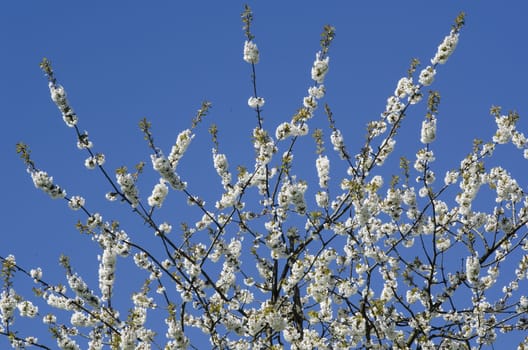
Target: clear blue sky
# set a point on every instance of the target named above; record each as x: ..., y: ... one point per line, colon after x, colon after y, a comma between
x: 122, y: 61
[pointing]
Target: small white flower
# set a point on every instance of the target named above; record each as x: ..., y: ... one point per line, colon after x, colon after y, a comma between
x: 36, y: 274
x: 255, y: 102
x: 165, y: 227
x: 111, y: 196
x: 90, y: 163
x: 76, y: 202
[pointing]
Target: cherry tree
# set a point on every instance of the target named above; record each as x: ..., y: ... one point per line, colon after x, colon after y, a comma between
x: 367, y: 257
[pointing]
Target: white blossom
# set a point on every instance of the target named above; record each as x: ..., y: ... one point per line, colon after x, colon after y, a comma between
x: 76, y: 202
x: 255, y: 102
x: 320, y: 68
x: 159, y: 192
x: 182, y: 143
x: 58, y: 95
x: 428, y: 133
x: 323, y: 170
x: 127, y: 182
x: 317, y: 91
x: 251, y: 52
x: 446, y: 48
x: 338, y: 142
x: 472, y: 269
x: 427, y: 76
x: 43, y: 181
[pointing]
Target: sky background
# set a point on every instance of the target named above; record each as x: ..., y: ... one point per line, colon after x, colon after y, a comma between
x: 122, y: 61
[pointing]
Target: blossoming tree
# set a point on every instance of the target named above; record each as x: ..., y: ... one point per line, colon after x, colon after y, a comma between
x: 368, y: 258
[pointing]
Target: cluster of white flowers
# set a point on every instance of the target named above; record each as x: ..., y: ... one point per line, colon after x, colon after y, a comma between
x: 506, y: 187
x: 446, y: 48
x: 251, y: 52
x: 59, y: 301
x: 58, y: 95
x: 320, y: 276
x: 297, y: 272
x: 423, y: 158
x: 81, y: 319
x: 107, y: 267
x: 81, y: 289
x: 392, y: 203
x: 93, y: 161
x: 176, y: 334
x: 274, y: 240
x: 36, y: 274
x: 505, y: 129
x: 393, y: 110
x: 286, y: 129
x: 264, y: 146
x: 339, y: 143
x: 406, y: 88
x: 297, y: 126
x: 323, y: 170
x: 163, y: 166
x: 335, y: 283
x: 230, y: 266
x: 142, y: 261
x: 427, y: 76
x: 259, y: 178
x: 320, y: 67
x: 113, y: 244
x: 321, y: 198
x: 178, y: 150
x: 230, y: 198
x: 127, y: 182
x: 470, y: 184
x: 94, y: 221
x: 76, y: 202
x: 451, y: 177
x: 43, y: 181
x: 159, y: 192
x: 293, y: 193
x: 222, y: 167
x: 317, y: 92
x: 8, y: 304
x: 205, y: 221
x: 519, y: 140
x: 385, y: 149
x: 65, y: 342
x: 428, y: 133
x: 472, y: 269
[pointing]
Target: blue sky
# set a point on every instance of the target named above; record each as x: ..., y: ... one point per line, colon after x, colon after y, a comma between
x: 122, y: 61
